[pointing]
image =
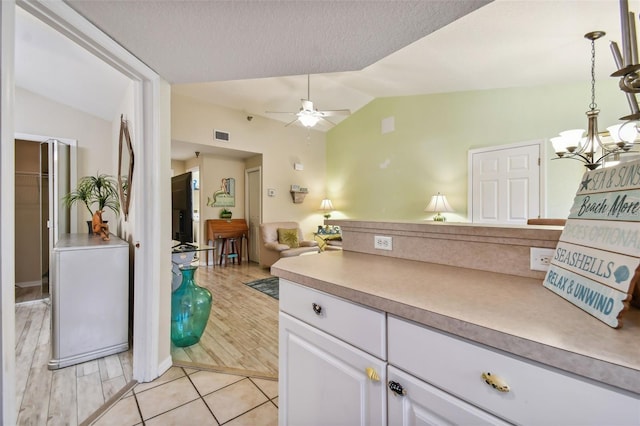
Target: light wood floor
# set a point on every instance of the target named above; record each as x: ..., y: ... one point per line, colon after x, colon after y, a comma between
x: 242, y: 334
x: 66, y: 396
x: 241, y: 338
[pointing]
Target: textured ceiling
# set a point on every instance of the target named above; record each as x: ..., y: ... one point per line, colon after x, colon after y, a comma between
x: 201, y: 41
x: 506, y: 43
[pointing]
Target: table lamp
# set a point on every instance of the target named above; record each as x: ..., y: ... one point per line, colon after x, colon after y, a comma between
x: 439, y: 204
x: 326, y: 206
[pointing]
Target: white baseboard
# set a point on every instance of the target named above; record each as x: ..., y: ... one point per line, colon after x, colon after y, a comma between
x: 29, y: 284
x: 165, y: 365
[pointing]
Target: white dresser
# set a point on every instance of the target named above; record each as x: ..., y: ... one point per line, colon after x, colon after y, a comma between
x: 89, y: 299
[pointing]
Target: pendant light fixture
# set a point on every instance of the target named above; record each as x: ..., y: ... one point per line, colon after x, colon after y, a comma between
x: 590, y: 150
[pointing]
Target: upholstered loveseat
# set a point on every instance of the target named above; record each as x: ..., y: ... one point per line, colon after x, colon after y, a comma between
x: 283, y: 239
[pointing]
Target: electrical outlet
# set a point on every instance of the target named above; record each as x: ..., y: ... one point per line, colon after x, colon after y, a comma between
x: 540, y: 258
x: 383, y: 243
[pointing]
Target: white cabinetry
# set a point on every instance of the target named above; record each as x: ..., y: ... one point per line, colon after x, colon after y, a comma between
x: 322, y: 379
x: 326, y: 344
x: 89, y: 299
x: 537, y: 394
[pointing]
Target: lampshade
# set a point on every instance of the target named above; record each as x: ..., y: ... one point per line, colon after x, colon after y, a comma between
x: 559, y: 145
x: 572, y: 139
x: 308, y: 119
x: 326, y: 204
x: 624, y: 133
x: 438, y: 204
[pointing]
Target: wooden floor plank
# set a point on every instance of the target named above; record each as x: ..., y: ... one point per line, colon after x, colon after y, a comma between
x: 242, y: 332
x: 110, y: 367
x: 62, y: 402
x: 90, y: 396
x: 34, y: 409
x: 126, y: 360
x: 26, y: 350
x: 112, y: 386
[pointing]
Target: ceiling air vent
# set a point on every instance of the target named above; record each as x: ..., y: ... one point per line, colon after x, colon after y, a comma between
x: 219, y: 135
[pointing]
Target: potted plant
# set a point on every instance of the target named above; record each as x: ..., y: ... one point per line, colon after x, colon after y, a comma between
x: 100, y: 191
x: 225, y: 214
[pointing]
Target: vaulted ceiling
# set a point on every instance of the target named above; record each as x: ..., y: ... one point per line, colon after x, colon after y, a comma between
x: 253, y: 55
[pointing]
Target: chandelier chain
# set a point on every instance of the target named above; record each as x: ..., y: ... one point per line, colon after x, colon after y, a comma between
x: 593, y: 104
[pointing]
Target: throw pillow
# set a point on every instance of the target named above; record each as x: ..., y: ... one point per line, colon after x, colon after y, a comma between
x: 288, y: 237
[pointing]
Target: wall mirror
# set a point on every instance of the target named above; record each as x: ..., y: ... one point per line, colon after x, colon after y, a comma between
x: 125, y: 166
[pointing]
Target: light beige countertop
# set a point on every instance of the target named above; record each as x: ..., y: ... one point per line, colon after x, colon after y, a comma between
x: 515, y: 314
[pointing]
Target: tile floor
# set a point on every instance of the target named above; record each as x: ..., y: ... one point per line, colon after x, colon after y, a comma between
x: 185, y: 396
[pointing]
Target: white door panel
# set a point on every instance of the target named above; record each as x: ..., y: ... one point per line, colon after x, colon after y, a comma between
x: 505, y: 184
x: 489, y: 199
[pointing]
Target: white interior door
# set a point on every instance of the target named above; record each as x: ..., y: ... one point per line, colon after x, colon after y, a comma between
x: 254, y: 209
x: 505, y: 184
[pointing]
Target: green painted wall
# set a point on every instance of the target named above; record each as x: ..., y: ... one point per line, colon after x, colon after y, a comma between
x: 392, y: 176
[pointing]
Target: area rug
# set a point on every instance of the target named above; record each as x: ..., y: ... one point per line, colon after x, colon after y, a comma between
x: 268, y: 286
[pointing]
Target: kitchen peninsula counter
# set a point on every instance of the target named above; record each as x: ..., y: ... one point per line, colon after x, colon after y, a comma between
x: 512, y: 313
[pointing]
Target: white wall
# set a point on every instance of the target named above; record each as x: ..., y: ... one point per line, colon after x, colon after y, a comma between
x: 194, y: 121
x: 97, y: 150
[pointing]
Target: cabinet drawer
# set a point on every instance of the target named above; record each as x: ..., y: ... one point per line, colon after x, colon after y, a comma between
x: 423, y: 404
x: 537, y: 395
x: 362, y: 327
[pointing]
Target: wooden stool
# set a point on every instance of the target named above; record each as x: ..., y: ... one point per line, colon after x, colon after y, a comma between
x: 228, y: 251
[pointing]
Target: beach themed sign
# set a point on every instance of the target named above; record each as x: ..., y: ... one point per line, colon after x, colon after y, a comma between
x: 596, y: 264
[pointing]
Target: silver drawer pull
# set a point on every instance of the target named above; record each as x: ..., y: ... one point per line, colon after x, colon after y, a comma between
x: 317, y: 308
x: 496, y: 382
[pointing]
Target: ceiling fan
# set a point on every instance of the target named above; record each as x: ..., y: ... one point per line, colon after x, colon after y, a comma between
x: 309, y: 116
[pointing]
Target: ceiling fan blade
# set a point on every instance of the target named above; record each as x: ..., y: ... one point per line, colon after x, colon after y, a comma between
x: 281, y: 112
x: 334, y: 112
x: 328, y: 121
x: 290, y: 123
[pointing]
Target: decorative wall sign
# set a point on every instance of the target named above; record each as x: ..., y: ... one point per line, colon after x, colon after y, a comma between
x: 225, y: 196
x: 596, y: 264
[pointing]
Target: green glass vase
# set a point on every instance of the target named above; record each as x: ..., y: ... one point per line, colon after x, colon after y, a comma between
x: 190, y: 309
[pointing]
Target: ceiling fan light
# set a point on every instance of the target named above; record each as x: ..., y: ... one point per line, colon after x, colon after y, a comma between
x: 308, y: 120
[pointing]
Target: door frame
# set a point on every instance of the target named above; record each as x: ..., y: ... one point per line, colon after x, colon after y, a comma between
x: 152, y: 138
x: 542, y: 149
x: 257, y: 169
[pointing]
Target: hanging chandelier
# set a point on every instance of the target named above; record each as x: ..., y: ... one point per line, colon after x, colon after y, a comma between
x: 590, y: 149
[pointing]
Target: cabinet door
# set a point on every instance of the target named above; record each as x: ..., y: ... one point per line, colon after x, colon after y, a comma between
x: 323, y: 380
x: 425, y: 405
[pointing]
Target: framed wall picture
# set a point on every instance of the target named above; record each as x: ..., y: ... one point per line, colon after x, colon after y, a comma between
x: 225, y: 196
